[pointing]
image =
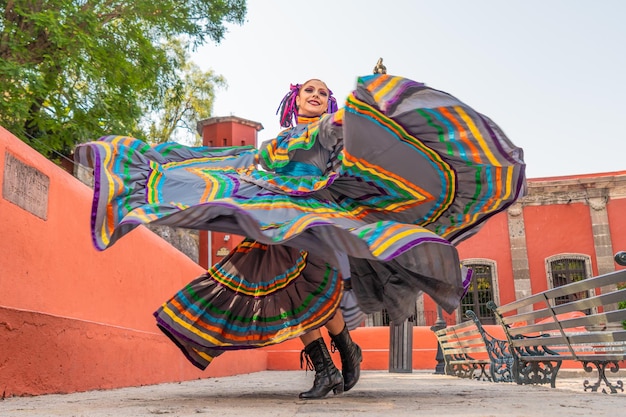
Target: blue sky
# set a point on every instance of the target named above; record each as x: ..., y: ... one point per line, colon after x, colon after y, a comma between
x: 550, y: 73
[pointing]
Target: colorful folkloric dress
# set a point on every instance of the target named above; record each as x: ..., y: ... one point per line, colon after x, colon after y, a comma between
x: 388, y: 184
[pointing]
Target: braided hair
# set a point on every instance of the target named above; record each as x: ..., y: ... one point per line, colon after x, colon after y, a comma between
x: 288, y: 112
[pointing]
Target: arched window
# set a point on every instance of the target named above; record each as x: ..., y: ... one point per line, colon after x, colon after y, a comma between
x: 483, y: 289
x: 567, y: 268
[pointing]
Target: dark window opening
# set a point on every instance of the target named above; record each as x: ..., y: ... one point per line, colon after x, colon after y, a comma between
x: 480, y: 292
x: 566, y: 271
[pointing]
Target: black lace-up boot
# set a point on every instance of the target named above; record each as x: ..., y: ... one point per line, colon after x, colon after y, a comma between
x: 351, y: 357
x: 327, y: 376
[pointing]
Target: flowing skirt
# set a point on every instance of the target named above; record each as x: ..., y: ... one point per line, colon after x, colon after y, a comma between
x: 258, y: 295
x: 417, y: 172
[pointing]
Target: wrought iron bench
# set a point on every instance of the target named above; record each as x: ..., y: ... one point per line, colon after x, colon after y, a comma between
x: 470, y: 352
x: 579, y: 321
x: 500, y: 359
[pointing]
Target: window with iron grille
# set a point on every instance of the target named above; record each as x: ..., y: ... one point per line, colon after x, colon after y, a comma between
x: 565, y: 271
x: 479, y: 293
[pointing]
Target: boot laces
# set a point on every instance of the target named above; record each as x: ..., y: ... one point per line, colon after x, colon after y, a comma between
x: 305, y: 359
x: 333, y: 346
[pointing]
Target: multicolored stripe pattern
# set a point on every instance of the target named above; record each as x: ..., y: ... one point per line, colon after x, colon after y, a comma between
x: 242, y: 304
x: 458, y: 158
x: 141, y: 188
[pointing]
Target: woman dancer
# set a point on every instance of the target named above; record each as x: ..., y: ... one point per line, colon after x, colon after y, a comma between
x: 304, y: 104
x: 402, y: 173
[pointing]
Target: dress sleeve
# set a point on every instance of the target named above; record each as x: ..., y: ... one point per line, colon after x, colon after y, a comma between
x: 328, y: 130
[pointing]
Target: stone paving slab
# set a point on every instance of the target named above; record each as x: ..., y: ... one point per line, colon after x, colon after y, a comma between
x: 275, y: 394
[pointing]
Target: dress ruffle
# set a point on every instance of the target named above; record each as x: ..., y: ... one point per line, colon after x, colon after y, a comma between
x: 257, y: 295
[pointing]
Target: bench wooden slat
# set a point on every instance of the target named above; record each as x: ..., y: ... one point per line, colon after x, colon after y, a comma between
x: 606, y: 358
x: 599, y: 338
x: 464, y: 349
x: 614, y: 316
x: 549, y: 358
x: 580, y: 305
x: 591, y: 302
x: 605, y: 280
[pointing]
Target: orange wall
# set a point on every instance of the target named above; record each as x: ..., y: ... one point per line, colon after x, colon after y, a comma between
x: 73, y: 318
x: 555, y: 229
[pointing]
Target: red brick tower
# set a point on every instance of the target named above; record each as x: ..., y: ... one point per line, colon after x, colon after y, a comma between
x: 223, y: 131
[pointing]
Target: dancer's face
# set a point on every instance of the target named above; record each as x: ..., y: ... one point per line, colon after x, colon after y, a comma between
x: 312, y: 100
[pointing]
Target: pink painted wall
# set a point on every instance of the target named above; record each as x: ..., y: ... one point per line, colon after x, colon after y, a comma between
x: 75, y: 319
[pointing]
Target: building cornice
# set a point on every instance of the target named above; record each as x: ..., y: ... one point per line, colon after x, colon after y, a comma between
x: 228, y: 119
x: 575, y: 189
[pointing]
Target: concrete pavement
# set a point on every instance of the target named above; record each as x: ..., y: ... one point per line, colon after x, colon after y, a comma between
x: 379, y: 393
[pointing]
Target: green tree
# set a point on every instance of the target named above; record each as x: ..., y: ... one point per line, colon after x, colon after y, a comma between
x: 74, y: 70
x: 186, y: 102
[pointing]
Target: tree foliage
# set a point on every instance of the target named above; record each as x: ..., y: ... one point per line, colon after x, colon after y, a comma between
x: 74, y: 70
x: 185, y: 102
